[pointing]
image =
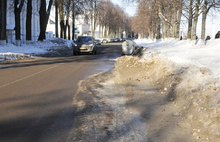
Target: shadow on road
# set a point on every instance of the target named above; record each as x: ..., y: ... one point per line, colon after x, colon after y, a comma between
x: 65, y: 56
x: 36, y: 117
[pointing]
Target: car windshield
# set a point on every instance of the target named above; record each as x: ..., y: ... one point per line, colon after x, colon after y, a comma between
x: 84, y: 39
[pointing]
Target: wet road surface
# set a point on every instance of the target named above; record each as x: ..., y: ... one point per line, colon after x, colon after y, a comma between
x: 36, y: 96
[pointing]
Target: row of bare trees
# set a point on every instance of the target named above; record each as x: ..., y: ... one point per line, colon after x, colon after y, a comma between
x: 110, y: 18
x: 63, y: 6
x: 164, y: 16
x: 66, y: 10
x: 17, y: 6
x: 104, y: 14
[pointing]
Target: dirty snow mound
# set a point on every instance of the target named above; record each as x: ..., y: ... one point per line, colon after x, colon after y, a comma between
x: 193, y: 90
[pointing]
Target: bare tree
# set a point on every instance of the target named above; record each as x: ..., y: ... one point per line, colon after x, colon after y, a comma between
x: 17, y: 11
x: 174, y: 21
x: 195, y: 20
x: 44, y: 16
x: 207, y: 5
x: 180, y: 7
x: 56, y: 18
x: 28, y: 20
x: 3, y: 11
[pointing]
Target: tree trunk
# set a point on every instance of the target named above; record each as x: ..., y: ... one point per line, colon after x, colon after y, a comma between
x: 102, y: 31
x: 44, y: 16
x: 195, y: 21
x: 169, y: 15
x: 62, y: 29
x: 73, y: 20
x: 94, y: 19
x: 174, y: 19
x: 68, y: 26
x: 105, y: 32
x: 119, y: 32
x: 204, y: 15
x: 151, y: 34
x: 189, y: 33
x: 91, y: 20
x: 179, y: 19
x: 42, y: 13
x: 3, y: 12
x: 73, y: 25
x: 99, y: 30
x: 61, y: 20
x: 17, y: 12
x: 163, y: 31
x: 28, y: 20
x: 56, y: 19
x: 158, y: 23
x: 67, y: 22
x: 109, y: 31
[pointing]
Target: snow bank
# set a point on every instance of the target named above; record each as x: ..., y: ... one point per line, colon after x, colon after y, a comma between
x: 11, y: 52
x: 194, y: 90
x: 187, y: 52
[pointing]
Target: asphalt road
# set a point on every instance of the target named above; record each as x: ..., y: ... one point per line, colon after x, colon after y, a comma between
x: 36, y: 96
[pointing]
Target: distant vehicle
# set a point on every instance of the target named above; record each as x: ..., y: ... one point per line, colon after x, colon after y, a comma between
x: 111, y: 40
x: 116, y: 39
x: 108, y: 39
x: 104, y: 41
x: 98, y: 42
x: 85, y: 44
x: 128, y: 38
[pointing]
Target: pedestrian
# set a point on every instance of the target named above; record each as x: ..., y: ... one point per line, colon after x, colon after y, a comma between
x: 217, y: 35
x: 208, y: 38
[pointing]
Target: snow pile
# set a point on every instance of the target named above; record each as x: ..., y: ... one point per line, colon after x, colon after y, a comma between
x: 11, y: 52
x: 187, y: 52
x: 194, y: 90
x: 187, y: 73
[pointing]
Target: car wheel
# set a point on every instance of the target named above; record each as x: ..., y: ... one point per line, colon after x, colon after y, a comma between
x: 93, y: 52
x: 76, y: 53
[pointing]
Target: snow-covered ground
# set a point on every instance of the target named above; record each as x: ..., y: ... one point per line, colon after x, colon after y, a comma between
x: 11, y: 52
x: 187, y: 52
x: 190, y: 73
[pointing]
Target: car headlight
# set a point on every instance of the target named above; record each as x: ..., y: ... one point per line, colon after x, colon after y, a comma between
x: 75, y: 44
x: 91, y: 45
